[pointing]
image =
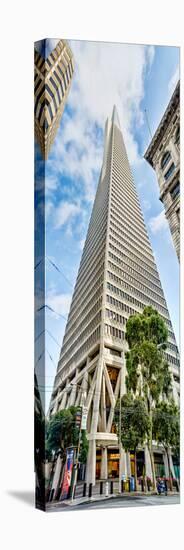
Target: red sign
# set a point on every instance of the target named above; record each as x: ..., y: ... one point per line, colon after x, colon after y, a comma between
x: 67, y: 473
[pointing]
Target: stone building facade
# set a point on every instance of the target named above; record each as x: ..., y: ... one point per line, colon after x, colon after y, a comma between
x: 53, y: 76
x: 117, y: 277
x: 163, y: 154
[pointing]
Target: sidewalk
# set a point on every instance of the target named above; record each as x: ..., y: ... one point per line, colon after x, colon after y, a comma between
x: 96, y: 498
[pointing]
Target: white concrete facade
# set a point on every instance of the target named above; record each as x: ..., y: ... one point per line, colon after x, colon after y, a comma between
x: 117, y: 277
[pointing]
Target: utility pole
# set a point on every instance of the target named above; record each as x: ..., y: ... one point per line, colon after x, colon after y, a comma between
x: 78, y: 447
x: 120, y: 415
x: 120, y: 442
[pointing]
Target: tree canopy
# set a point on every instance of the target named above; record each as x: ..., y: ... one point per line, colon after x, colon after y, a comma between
x: 166, y: 425
x: 134, y: 422
x: 147, y: 370
x: 148, y: 374
x: 62, y: 431
x: 148, y: 325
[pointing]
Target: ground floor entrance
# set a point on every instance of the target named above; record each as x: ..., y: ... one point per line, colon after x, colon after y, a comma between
x: 113, y: 463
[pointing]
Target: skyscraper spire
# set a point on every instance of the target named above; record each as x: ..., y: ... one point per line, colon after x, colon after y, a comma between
x: 115, y: 117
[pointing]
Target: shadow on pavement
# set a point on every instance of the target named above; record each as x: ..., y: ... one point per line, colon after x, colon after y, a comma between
x: 28, y: 497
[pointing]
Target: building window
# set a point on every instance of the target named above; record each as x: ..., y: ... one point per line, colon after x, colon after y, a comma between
x: 165, y: 159
x: 176, y: 190
x: 177, y: 136
x: 178, y: 214
x: 169, y: 172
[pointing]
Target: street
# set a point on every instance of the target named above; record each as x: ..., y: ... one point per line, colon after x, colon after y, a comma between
x: 120, y: 502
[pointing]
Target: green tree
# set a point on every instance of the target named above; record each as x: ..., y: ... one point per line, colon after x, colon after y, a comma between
x: 166, y: 428
x: 147, y: 371
x: 62, y: 431
x: 83, y: 448
x: 135, y: 425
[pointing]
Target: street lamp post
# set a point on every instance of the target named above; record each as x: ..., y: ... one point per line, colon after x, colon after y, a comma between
x: 120, y: 415
x: 78, y: 447
x: 120, y: 442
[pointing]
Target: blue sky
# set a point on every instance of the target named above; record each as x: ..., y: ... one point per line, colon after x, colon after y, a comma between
x: 134, y: 78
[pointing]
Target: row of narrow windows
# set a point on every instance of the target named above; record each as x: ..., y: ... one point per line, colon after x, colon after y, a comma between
x: 135, y: 281
x: 93, y: 264
x: 86, y: 304
x: 92, y: 242
x: 114, y: 332
x: 84, y: 309
x: 78, y: 325
x: 134, y: 290
x: 115, y: 316
x: 93, y: 338
x: 135, y: 272
x: 127, y: 204
x: 135, y: 263
x: 121, y: 305
x: 126, y: 210
x: 130, y: 196
x: 135, y: 255
x: 82, y: 286
x: 135, y: 240
x: 128, y: 217
x: 95, y: 321
x: 78, y: 300
x: 134, y: 232
x: 94, y: 256
x: 134, y: 300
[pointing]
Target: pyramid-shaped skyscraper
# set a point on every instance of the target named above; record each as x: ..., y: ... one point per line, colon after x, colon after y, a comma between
x: 117, y: 277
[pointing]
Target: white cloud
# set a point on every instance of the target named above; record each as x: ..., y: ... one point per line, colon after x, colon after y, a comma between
x: 146, y: 205
x: 158, y: 223
x: 65, y: 212
x: 51, y: 183
x: 173, y: 81
x: 81, y: 244
x: 48, y: 208
x: 105, y: 74
x: 59, y: 302
x: 45, y: 46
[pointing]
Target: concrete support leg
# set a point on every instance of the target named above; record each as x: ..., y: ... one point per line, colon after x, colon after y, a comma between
x: 96, y: 399
x: 84, y: 387
x: 91, y: 463
x: 171, y: 464
x: 57, y: 474
x: 166, y: 464
x: 128, y: 464
x: 123, y: 463
x: 72, y: 396
x: 148, y: 470
x: 104, y: 468
x: 63, y: 402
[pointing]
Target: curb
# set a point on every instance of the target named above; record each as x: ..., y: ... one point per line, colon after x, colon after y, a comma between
x: 84, y: 500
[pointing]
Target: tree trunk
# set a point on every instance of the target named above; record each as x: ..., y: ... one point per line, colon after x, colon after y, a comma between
x: 150, y: 449
x: 145, y: 481
x: 169, y: 468
x: 152, y: 467
x: 136, y: 482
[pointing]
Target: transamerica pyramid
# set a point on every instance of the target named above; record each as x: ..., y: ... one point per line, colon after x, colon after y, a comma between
x: 117, y: 277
